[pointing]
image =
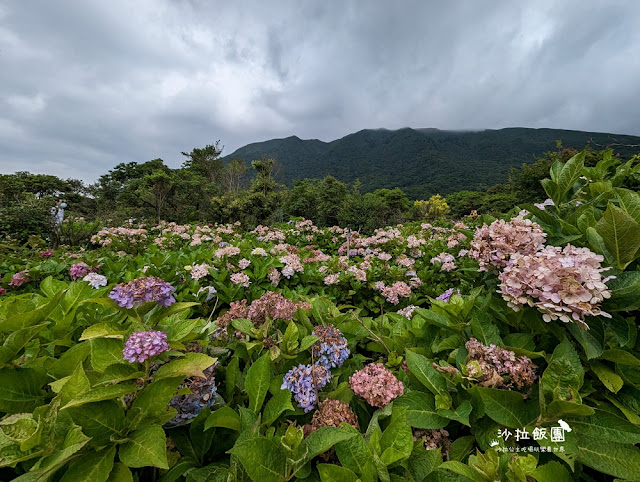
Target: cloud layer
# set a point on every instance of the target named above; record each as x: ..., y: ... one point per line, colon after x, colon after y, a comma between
x: 87, y: 84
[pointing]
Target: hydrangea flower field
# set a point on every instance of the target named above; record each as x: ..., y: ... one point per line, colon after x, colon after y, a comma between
x: 475, y: 349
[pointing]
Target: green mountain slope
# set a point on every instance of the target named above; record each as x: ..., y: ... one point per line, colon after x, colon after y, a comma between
x: 421, y: 161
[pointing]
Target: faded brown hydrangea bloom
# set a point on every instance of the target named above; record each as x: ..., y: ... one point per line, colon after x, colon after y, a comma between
x: 331, y: 413
x: 434, y: 439
x: 499, y: 368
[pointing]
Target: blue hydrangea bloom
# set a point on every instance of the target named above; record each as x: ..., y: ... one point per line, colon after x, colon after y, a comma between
x: 299, y: 380
x: 331, y: 349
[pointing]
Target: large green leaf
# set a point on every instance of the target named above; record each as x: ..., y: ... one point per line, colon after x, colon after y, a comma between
x: 16, y: 341
x: 423, y: 370
x: 625, y: 292
x: 397, y: 440
x: 152, y: 402
x: 20, y: 389
x: 100, y: 394
x: 318, y: 442
x: 464, y: 470
x: 91, y: 467
x: 335, y: 473
x: 120, y: 473
x: 460, y: 414
x: 620, y: 234
x: 612, y: 458
x: 278, y: 404
x: 191, y: 365
x: 262, y: 459
x: 74, y: 441
x: 592, y: 340
x: 102, y: 421
x: 103, y: 330
x: 507, y: 407
x: 22, y: 319
x: 569, y: 174
x: 257, y: 382
x: 217, y: 472
x: 608, y: 377
x: 162, y: 313
x: 76, y: 386
x: 563, y: 376
x: 421, y: 410
x: 606, y: 426
x: 105, y: 352
x: 223, y: 417
x: 354, y: 454
x: 146, y: 447
x: 629, y: 202
x: 552, y: 472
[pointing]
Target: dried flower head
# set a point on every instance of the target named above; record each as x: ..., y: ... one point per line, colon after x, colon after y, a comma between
x: 499, y: 368
x: 331, y: 413
x: 203, y: 394
x: 433, y: 439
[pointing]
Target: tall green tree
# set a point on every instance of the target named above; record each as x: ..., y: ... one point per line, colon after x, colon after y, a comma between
x: 206, y: 162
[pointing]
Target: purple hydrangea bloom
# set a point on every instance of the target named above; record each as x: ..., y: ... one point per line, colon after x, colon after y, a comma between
x: 222, y: 244
x: 300, y: 380
x: 137, y: 291
x: 78, y: 270
x: 144, y: 344
x: 331, y: 349
x: 447, y: 295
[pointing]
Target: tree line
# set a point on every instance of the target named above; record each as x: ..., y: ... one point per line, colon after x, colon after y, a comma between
x: 208, y: 189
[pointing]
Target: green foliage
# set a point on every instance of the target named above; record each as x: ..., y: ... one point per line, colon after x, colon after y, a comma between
x: 73, y: 409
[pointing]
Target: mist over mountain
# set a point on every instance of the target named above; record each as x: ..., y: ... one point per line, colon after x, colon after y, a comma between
x: 423, y: 161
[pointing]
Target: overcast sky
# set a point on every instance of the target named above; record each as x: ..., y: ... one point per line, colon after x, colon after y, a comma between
x: 87, y: 84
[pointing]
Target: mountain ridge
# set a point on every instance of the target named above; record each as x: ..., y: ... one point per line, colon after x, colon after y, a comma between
x: 422, y: 161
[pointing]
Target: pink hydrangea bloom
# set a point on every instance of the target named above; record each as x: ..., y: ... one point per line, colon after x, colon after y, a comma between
x: 240, y: 279
x: 562, y: 283
x: 227, y: 251
x: 493, y: 245
x: 199, y: 271
x: 332, y: 279
x: 274, y: 276
x: 446, y: 260
x: 79, y: 270
x: 397, y: 289
x: 292, y: 265
x: 19, y: 279
x: 271, y: 305
x: 377, y: 385
x: 407, y: 312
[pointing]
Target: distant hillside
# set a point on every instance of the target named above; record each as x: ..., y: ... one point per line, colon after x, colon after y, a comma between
x: 421, y: 161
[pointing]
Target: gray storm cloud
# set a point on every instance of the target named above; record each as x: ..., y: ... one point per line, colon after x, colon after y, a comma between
x: 88, y: 84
